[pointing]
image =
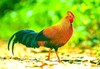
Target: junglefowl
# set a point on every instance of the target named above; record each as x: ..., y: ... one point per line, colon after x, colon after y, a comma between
x: 51, y: 37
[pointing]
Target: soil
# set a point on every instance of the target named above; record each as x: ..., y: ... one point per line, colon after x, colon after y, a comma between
x: 29, y: 58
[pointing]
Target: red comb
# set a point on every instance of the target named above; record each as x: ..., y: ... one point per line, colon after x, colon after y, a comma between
x: 70, y: 13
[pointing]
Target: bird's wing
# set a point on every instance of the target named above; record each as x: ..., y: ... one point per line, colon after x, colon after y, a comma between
x: 42, y: 37
x: 47, y: 34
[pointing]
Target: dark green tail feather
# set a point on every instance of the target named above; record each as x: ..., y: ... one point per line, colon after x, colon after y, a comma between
x: 25, y: 37
x: 13, y: 47
x: 10, y: 41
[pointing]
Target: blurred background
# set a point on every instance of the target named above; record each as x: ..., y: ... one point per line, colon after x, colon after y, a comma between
x: 36, y: 15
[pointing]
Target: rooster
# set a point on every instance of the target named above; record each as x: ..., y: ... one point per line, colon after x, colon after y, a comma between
x: 51, y: 37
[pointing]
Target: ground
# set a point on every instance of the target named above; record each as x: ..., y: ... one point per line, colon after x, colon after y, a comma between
x: 29, y: 58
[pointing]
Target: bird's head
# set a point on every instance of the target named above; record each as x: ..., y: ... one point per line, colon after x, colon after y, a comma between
x: 70, y: 16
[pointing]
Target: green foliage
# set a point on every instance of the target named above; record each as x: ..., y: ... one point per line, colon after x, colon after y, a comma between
x: 39, y: 14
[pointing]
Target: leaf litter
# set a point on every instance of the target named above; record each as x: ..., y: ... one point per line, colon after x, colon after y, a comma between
x: 28, y: 58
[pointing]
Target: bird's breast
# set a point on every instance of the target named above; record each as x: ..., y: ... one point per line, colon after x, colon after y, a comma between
x: 62, y: 36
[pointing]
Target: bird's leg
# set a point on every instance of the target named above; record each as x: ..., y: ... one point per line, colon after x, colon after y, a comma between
x: 57, y: 56
x: 49, y: 54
